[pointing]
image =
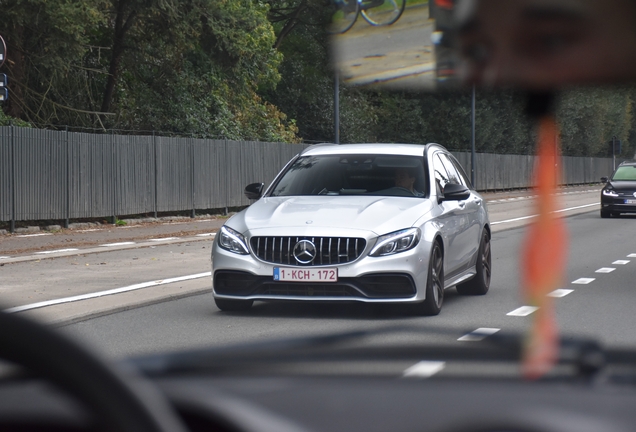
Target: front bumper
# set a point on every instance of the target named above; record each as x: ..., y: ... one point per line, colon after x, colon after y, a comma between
x: 617, y: 204
x: 396, y: 278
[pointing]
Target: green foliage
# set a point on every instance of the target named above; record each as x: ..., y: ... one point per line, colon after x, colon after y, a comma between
x: 6, y: 120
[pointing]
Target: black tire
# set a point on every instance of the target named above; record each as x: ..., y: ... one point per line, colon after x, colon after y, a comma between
x: 435, y: 282
x: 233, y: 305
x: 388, y: 12
x: 480, y: 284
x: 605, y: 214
x: 344, y: 15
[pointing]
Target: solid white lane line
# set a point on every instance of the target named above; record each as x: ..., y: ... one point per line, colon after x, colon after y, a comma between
x: 523, y: 311
x: 583, y: 281
x: 206, y: 235
x: 118, y: 244
x: 621, y: 262
x: 577, y: 207
x: 162, y: 239
x: 533, y: 216
x: 105, y: 293
x: 424, y: 369
x: 513, y: 220
x: 605, y: 270
x: 479, y: 334
x: 560, y: 293
x: 57, y: 251
x: 34, y: 235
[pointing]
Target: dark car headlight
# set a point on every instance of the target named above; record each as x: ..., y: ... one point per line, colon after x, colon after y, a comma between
x: 232, y: 241
x: 396, y: 242
x: 610, y: 192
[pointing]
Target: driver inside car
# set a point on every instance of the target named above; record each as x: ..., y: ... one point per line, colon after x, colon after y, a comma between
x: 405, y: 178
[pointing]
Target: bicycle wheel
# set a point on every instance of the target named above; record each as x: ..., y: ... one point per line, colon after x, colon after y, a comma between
x: 345, y: 13
x: 382, y: 12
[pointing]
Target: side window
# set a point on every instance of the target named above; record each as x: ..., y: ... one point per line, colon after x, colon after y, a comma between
x: 453, y: 175
x: 462, y: 173
x: 441, y: 176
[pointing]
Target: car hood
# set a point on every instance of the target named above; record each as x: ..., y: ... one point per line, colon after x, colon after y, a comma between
x: 623, y: 185
x: 376, y: 214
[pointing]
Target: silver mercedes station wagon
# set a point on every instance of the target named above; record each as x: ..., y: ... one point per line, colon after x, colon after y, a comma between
x: 376, y: 223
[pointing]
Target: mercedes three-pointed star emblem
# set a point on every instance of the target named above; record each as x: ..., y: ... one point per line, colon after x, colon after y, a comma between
x: 304, y: 252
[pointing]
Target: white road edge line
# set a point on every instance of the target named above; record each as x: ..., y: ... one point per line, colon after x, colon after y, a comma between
x: 479, y: 334
x: 162, y: 239
x: 34, y: 235
x: 533, y: 216
x: 523, y: 311
x: 118, y: 244
x: 105, y: 293
x: 424, y: 369
x: 57, y: 251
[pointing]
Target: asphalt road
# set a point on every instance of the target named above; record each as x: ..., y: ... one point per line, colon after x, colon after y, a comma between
x: 600, y: 307
x: 596, y: 304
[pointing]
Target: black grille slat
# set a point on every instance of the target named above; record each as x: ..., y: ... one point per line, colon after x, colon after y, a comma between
x: 329, y: 250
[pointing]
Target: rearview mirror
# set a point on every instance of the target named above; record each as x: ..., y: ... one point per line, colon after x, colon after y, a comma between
x: 604, y: 179
x: 527, y: 44
x: 254, y: 191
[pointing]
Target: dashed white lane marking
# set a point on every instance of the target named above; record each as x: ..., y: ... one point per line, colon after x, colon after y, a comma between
x: 583, y: 281
x: 34, y: 235
x: 206, y: 235
x: 57, y: 251
x: 424, y: 369
x: 523, y: 311
x: 162, y: 239
x: 621, y: 262
x: 105, y: 293
x: 631, y: 255
x: 605, y: 270
x: 479, y: 334
x: 560, y: 293
x: 118, y: 244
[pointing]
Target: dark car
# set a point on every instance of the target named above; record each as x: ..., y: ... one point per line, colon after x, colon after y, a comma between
x: 619, y: 194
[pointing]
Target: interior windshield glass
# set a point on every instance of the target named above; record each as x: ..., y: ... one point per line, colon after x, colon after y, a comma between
x: 386, y: 175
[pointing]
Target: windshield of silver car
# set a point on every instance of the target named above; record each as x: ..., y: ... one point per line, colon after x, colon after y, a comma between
x: 383, y: 175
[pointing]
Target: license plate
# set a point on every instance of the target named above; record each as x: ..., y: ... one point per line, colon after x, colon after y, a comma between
x: 630, y: 201
x: 285, y: 274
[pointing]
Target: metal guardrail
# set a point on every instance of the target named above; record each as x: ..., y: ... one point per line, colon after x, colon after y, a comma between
x: 57, y: 175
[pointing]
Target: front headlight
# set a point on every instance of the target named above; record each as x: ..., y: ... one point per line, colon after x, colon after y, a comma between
x: 232, y: 241
x: 396, y: 242
x: 610, y: 192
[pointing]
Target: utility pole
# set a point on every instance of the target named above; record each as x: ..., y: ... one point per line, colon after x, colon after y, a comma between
x: 472, y: 139
x: 336, y: 108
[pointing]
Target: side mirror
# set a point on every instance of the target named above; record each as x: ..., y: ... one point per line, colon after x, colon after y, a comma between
x: 455, y: 192
x: 604, y: 179
x: 254, y: 191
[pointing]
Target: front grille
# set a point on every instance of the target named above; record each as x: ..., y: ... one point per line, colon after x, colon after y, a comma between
x: 329, y: 250
x: 308, y: 290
